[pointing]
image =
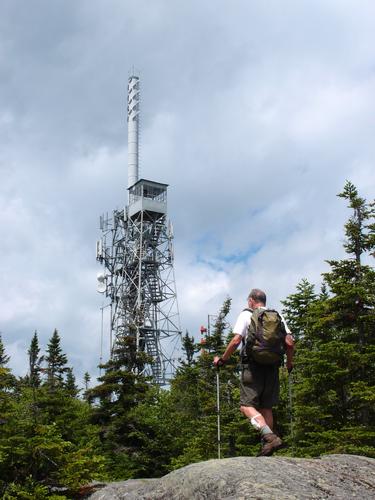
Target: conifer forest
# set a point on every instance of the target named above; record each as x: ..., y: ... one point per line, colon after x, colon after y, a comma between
x: 56, y: 439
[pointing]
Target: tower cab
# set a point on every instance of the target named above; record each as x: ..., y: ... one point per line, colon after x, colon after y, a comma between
x: 147, y: 196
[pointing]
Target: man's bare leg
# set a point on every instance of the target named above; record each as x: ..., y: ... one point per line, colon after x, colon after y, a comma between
x: 267, y: 415
x: 261, y: 420
x: 251, y: 412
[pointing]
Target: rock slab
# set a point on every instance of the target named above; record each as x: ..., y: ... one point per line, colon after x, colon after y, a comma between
x: 240, y: 478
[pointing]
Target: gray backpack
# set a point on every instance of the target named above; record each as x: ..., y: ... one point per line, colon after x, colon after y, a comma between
x: 265, y: 341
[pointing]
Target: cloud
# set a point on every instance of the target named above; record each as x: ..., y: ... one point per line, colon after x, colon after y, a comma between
x: 254, y: 113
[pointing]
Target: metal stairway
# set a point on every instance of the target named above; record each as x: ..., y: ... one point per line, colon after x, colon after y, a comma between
x: 153, y: 350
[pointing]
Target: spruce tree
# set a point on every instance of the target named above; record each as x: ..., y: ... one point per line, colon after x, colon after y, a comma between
x: 351, y: 308
x: 86, y: 380
x: 121, y: 389
x: 335, y: 363
x: 56, y: 362
x: 8, y: 399
x: 70, y: 383
x: 57, y: 395
x: 45, y: 436
x: 8, y: 385
x: 215, y: 341
x: 296, y: 307
x: 189, y: 348
x: 4, y: 358
x: 296, y: 310
x: 34, y: 362
x: 351, y: 281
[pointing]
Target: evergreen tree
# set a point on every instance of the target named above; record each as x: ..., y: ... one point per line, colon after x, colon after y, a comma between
x: 56, y: 362
x: 352, y: 305
x: 189, y: 348
x: 351, y: 282
x: 296, y: 308
x: 45, y: 438
x: 121, y: 389
x: 4, y: 358
x: 215, y: 341
x: 86, y: 380
x: 335, y: 364
x: 324, y: 295
x: 34, y: 362
x: 8, y: 401
x: 70, y: 383
x: 56, y: 397
x: 8, y: 386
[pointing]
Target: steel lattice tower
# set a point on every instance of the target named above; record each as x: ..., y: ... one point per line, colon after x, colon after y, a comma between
x: 137, y: 253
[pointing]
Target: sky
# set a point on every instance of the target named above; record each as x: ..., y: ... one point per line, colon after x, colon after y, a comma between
x: 254, y: 113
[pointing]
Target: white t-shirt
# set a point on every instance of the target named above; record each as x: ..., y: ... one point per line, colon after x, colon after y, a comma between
x: 243, y: 321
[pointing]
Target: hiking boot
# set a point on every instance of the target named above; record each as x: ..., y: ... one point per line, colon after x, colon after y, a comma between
x: 270, y: 443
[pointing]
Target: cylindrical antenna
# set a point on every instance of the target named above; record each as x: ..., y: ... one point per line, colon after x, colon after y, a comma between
x: 133, y: 129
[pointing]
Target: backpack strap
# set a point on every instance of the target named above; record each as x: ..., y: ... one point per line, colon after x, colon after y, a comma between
x: 243, y: 354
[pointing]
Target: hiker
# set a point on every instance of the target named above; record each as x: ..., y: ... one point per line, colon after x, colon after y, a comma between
x: 259, y: 385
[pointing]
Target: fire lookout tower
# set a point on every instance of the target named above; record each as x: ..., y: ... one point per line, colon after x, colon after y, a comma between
x: 137, y: 253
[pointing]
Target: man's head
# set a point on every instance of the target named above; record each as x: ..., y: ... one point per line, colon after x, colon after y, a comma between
x: 256, y: 298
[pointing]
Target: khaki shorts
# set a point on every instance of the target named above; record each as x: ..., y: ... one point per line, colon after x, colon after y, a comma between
x: 259, y: 385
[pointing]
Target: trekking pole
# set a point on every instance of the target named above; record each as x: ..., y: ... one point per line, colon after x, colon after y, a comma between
x: 218, y: 412
x: 291, y: 408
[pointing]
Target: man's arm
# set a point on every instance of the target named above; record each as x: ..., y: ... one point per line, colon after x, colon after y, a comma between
x: 289, y: 342
x: 232, y: 346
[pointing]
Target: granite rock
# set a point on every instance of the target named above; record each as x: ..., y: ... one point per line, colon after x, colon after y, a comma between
x: 330, y: 477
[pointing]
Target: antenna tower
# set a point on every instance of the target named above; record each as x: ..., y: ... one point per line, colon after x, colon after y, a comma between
x: 137, y: 254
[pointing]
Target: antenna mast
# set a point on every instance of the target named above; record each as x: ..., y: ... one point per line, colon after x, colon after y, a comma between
x: 136, y: 250
x: 133, y: 130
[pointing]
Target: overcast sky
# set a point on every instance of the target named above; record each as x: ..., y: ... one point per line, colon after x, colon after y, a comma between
x: 255, y: 113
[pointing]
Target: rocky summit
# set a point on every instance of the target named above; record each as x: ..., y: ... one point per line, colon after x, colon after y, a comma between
x: 330, y: 477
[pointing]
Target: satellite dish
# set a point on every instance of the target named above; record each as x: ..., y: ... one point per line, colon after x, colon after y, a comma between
x: 101, y: 285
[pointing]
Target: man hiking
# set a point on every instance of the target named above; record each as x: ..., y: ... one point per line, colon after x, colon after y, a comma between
x: 264, y: 337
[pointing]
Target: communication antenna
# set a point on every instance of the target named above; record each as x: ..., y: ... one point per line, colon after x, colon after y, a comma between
x: 101, y: 284
x: 133, y: 129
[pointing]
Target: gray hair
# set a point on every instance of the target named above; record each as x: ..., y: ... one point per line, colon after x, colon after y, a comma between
x: 258, y: 296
